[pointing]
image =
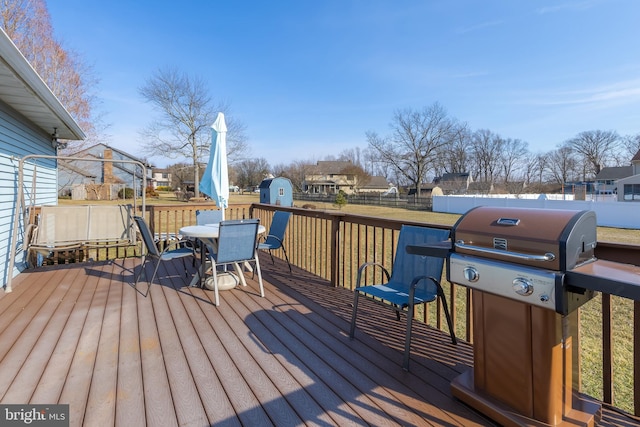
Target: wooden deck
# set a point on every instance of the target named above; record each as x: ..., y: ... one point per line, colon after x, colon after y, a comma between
x: 82, y: 335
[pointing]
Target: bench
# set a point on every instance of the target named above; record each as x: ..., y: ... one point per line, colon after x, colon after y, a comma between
x: 66, y: 228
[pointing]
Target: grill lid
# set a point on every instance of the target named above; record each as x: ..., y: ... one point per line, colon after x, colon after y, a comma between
x: 548, y: 238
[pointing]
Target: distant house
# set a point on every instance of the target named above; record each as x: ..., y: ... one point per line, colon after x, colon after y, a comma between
x: 32, y: 119
x: 606, y: 181
x: 454, y: 183
x: 160, y: 178
x: 624, y: 181
x: 628, y: 188
x: 480, y: 187
x: 376, y: 184
x: 93, y: 180
x: 330, y: 177
x: 425, y: 190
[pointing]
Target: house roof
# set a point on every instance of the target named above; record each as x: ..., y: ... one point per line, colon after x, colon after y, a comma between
x: 330, y: 167
x: 614, y: 172
x: 24, y: 90
x: 636, y: 158
x: 377, y: 182
x: 458, y: 177
x: 80, y: 171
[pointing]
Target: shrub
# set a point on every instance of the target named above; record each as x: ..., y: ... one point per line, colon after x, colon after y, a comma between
x: 151, y: 192
x: 341, y: 199
x: 126, y: 192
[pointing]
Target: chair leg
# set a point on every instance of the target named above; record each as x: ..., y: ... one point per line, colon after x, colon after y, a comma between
x: 407, y: 340
x: 155, y: 272
x: 257, y: 268
x: 287, y: 258
x: 443, y: 300
x: 141, y: 273
x: 215, y: 286
x: 354, y: 314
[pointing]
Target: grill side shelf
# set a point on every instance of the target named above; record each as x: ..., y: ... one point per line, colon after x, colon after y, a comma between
x: 438, y: 250
x: 610, y: 277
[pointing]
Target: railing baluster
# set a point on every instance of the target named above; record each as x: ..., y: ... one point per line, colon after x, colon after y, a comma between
x: 607, y: 363
x: 636, y: 358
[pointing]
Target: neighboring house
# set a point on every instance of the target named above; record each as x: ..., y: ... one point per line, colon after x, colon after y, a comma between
x: 30, y: 117
x: 425, y: 190
x: 454, y: 183
x: 606, y: 179
x: 160, y: 178
x: 328, y: 177
x: 628, y: 188
x: 97, y: 180
x: 480, y: 187
x: 624, y: 181
x: 376, y: 184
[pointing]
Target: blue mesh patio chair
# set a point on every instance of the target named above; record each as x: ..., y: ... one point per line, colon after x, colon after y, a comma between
x: 156, y: 255
x: 236, y: 245
x: 208, y: 216
x: 414, y: 280
x: 275, y: 238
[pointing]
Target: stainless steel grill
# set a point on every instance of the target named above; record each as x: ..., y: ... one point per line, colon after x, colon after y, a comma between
x: 523, y: 254
x: 530, y: 269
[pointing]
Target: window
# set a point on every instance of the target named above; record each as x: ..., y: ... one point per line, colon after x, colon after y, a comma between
x: 280, y: 192
x: 632, y: 192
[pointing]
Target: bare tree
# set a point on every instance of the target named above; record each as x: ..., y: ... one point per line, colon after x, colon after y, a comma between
x: 360, y: 176
x: 535, y: 170
x: 28, y: 24
x: 251, y: 172
x: 563, y: 164
x: 185, y: 114
x: 296, y: 172
x: 486, y: 151
x: 353, y: 155
x: 631, y: 147
x: 512, y: 156
x: 598, y: 148
x: 455, y: 157
x: 416, y: 138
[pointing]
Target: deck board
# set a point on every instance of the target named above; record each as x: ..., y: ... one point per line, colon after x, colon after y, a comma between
x: 83, y: 335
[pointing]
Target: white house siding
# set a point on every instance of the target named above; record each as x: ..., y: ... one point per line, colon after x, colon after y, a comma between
x: 18, y: 138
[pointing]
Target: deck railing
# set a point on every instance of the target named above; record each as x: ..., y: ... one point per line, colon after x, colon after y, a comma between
x: 333, y: 244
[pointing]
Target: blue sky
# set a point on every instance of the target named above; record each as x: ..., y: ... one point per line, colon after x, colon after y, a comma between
x: 310, y: 78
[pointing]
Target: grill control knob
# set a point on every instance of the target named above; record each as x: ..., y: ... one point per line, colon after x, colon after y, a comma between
x: 522, y: 286
x: 471, y: 274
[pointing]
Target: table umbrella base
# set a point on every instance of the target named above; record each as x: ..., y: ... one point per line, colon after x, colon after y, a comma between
x: 226, y: 281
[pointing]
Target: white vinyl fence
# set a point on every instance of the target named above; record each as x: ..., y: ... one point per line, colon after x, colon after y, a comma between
x: 608, y: 214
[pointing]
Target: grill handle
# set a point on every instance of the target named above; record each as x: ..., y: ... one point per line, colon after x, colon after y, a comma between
x: 516, y: 255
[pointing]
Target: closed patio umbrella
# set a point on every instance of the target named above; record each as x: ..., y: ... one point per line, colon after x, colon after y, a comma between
x: 215, y: 181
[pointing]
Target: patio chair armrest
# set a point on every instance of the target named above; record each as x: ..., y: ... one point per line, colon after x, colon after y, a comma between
x: 264, y: 238
x: 172, y: 244
x: 414, y: 283
x: 364, y: 266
